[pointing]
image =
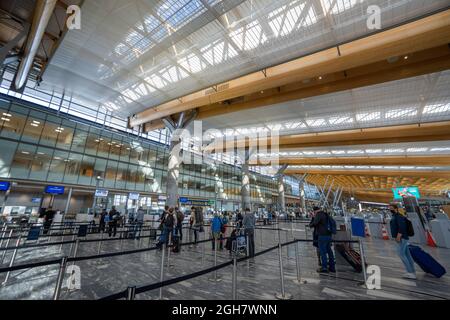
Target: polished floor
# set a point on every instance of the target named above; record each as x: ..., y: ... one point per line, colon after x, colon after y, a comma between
x: 258, y: 278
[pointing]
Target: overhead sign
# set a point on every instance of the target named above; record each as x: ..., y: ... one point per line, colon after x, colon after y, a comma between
x: 402, y: 192
x: 36, y: 200
x: 196, y: 202
x: 133, y: 196
x: 102, y: 193
x: 4, y: 185
x: 54, y: 189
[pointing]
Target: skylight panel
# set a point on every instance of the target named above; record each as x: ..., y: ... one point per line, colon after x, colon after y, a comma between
x: 340, y: 120
x: 394, y: 150
x: 294, y: 125
x: 436, y: 108
x: 291, y: 17
x: 339, y: 6
x: 338, y: 151
x: 368, y: 116
x: 179, y: 12
x: 374, y: 150
x: 316, y: 122
x: 192, y: 63
x: 249, y: 37
x: 417, y: 150
x: 156, y: 81
x: 401, y: 113
x: 440, y: 149
x: 355, y: 151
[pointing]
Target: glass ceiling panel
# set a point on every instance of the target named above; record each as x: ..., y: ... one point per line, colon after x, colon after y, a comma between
x: 180, y: 46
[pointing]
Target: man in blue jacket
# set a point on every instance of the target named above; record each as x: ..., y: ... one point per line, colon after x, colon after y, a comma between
x: 324, y: 237
x: 399, y: 232
x: 216, y: 227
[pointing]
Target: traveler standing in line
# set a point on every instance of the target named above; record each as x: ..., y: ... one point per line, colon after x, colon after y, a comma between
x: 114, y: 217
x: 179, y: 227
x: 168, y: 222
x: 216, y: 228
x: 102, y: 223
x: 139, y: 221
x: 248, y: 223
x: 399, y: 230
x: 239, y: 219
x: 320, y: 224
x: 315, y: 240
x: 225, y: 221
x: 192, y: 229
x: 48, y: 216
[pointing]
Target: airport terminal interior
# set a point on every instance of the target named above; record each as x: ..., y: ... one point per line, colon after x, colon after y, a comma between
x: 224, y: 149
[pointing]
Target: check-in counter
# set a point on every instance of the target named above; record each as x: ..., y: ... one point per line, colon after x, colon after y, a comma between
x: 440, y: 228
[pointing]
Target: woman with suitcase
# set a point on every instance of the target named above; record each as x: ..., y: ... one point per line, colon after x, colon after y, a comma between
x: 399, y: 230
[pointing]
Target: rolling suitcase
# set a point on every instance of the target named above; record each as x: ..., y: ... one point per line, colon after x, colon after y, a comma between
x: 351, y: 256
x: 426, y: 261
x: 175, y: 244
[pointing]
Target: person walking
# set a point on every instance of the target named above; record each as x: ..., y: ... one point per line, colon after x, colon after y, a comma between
x: 114, y: 217
x: 139, y: 222
x: 102, y: 222
x: 48, y: 216
x: 320, y: 224
x: 248, y: 223
x: 179, y: 226
x: 192, y: 229
x: 216, y: 228
x: 399, y: 230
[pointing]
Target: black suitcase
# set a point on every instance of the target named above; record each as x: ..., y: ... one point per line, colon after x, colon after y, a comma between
x: 153, y: 234
x: 175, y: 244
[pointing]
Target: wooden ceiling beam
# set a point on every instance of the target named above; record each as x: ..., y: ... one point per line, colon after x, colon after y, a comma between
x: 429, y: 32
x: 376, y: 160
x: 435, y: 131
x: 352, y: 173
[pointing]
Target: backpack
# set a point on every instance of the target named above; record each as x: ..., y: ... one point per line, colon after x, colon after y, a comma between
x: 169, y: 221
x: 180, y: 217
x: 409, y: 227
x: 198, y: 217
x: 331, y: 225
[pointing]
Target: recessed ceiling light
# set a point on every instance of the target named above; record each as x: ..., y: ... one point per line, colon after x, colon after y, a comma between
x: 405, y: 57
x: 7, y: 114
x: 25, y: 152
x: 36, y: 122
x: 5, y: 119
x: 320, y: 78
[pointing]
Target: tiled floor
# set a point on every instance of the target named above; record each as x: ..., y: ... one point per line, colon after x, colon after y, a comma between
x: 257, y: 279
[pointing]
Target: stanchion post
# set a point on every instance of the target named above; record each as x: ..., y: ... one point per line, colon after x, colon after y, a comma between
x: 99, y: 248
x: 11, y: 263
x: 283, y: 295
x: 169, y: 249
x: 4, y: 228
x: 161, y: 275
x: 7, y: 245
x: 59, y: 280
x: 363, y: 261
x: 299, y: 279
x: 131, y: 293
x: 234, y: 279
x: 216, y: 278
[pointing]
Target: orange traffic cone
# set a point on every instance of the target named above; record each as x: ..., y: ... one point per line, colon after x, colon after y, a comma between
x: 430, y: 240
x: 366, y: 229
x: 384, y: 233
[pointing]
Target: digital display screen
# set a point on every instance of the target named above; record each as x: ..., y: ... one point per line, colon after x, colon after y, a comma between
x: 401, y: 192
x: 54, y: 189
x: 4, y: 185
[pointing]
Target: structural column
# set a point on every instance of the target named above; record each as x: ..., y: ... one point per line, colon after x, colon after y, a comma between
x: 302, y: 195
x: 245, y: 188
x: 173, y: 169
x: 281, y: 199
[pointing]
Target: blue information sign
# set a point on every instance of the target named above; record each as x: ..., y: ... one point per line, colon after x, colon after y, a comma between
x: 54, y: 189
x: 358, y: 227
x: 34, y: 233
x: 4, y: 185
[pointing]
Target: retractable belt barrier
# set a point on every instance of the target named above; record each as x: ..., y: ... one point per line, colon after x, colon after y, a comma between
x: 123, y: 294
